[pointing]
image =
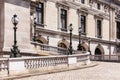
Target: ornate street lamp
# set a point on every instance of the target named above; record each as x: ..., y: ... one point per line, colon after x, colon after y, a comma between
x: 70, y: 47
x: 35, y: 36
x: 89, y: 45
x: 79, y: 45
x: 15, y: 51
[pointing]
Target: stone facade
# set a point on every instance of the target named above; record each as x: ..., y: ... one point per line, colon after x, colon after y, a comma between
x: 26, y: 10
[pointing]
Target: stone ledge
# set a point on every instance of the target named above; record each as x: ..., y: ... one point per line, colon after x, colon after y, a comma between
x: 71, y: 67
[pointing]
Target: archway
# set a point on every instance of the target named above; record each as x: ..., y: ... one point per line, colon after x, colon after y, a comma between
x: 99, y: 52
x: 41, y: 39
x: 63, y: 43
x: 84, y: 47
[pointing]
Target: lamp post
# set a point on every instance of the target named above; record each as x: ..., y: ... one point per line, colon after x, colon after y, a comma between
x: 79, y: 45
x: 89, y: 45
x: 15, y: 51
x: 70, y: 47
x: 47, y: 39
x: 34, y: 36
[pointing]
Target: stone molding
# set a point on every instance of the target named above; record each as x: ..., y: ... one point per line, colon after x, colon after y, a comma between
x: 66, y: 34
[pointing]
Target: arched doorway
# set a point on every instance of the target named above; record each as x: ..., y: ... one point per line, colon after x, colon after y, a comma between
x: 99, y: 52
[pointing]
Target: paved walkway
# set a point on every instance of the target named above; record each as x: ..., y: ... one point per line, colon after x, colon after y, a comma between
x: 104, y: 71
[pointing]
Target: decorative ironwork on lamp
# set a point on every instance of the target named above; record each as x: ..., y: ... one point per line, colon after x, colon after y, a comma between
x: 79, y: 45
x: 15, y: 51
x: 70, y: 47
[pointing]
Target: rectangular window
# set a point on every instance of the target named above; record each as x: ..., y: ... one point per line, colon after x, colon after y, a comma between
x: 118, y: 30
x: 40, y: 13
x: 83, y: 23
x: 83, y: 1
x: 98, y: 6
x: 99, y: 29
x: 64, y: 20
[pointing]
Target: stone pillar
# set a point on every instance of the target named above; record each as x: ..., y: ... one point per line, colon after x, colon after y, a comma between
x: 1, y: 26
x: 113, y: 25
x: 110, y: 24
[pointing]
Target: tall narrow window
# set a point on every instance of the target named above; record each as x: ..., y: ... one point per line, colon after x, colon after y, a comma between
x: 118, y: 30
x: 99, y: 35
x: 64, y: 20
x: 98, y: 6
x: 40, y: 13
x: 83, y: 1
x: 83, y: 23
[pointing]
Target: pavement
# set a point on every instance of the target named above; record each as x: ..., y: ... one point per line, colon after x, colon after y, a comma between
x: 103, y: 71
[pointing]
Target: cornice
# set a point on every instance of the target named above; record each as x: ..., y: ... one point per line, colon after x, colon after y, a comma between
x: 89, y: 10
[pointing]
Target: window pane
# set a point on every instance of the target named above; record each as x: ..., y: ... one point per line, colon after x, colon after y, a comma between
x: 64, y: 19
x: 40, y: 13
x: 83, y: 1
x: 98, y: 28
x: 83, y: 23
x: 98, y: 6
x: 118, y: 30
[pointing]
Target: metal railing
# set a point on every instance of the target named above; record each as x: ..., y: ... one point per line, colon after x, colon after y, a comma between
x: 82, y: 57
x: 105, y: 57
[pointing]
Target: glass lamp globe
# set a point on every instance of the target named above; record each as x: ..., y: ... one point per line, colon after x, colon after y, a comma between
x: 15, y: 19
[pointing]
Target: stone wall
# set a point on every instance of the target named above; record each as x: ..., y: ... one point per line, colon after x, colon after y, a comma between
x: 22, y: 9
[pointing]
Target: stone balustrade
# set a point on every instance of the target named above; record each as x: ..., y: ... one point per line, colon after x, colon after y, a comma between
x: 4, y: 66
x: 43, y: 64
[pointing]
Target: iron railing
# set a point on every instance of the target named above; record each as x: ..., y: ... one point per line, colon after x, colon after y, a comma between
x: 105, y: 57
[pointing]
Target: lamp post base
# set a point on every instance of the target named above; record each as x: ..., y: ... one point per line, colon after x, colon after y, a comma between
x: 70, y: 51
x: 79, y: 47
x: 15, y: 52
